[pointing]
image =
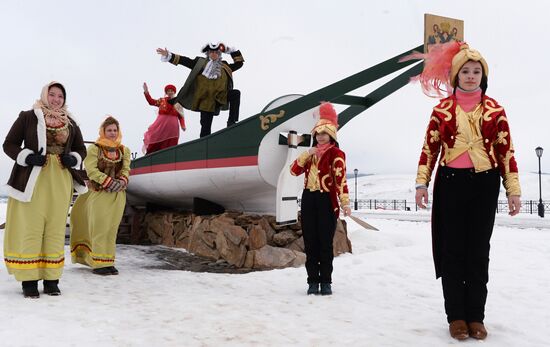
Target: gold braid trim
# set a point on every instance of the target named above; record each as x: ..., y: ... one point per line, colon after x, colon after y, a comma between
x: 323, y: 184
x: 340, y: 172
x: 423, y: 175
x: 114, y: 161
x: 511, y: 184
x: 337, y: 159
x: 490, y: 105
x: 447, y: 153
x: 228, y: 70
x: 344, y: 197
x: 176, y: 59
x: 445, y: 106
x: 64, y: 127
x: 344, y: 200
x: 302, y: 159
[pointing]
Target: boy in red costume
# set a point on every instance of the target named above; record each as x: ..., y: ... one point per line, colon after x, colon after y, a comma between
x: 324, y: 165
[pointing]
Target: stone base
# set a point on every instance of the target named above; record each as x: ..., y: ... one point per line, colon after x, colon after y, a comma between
x: 242, y: 240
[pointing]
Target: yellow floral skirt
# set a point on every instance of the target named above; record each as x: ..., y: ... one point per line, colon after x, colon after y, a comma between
x: 34, y: 238
x: 95, y: 218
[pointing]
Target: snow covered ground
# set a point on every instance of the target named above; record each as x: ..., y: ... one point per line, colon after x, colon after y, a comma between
x: 385, y: 294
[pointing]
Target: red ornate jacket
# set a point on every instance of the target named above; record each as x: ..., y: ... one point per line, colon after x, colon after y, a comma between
x: 165, y: 108
x: 332, y: 175
x: 495, y: 133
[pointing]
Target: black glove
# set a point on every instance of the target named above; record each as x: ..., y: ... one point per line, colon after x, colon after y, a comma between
x: 36, y: 159
x: 68, y: 160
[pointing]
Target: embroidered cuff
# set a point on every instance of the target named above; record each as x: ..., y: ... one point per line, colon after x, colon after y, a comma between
x: 124, y: 178
x: 167, y: 58
x: 78, y: 159
x: 237, y: 57
x: 344, y: 200
x: 22, y: 156
x: 302, y: 158
x: 107, y: 181
x: 511, y: 184
x: 423, y: 175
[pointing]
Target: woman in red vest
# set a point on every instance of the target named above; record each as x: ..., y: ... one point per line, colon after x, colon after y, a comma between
x: 165, y: 131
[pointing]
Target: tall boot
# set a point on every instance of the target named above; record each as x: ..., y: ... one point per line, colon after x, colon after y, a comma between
x: 30, y: 289
x: 51, y: 288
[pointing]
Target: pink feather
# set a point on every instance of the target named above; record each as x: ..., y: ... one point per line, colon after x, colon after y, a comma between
x: 435, y: 78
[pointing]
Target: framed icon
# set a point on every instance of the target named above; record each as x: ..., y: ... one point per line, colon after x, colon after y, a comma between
x: 439, y: 29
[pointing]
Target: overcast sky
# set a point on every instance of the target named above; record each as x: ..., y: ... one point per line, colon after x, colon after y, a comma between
x: 103, y: 51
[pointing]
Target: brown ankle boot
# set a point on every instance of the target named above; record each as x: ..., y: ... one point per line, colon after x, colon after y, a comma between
x: 458, y: 329
x: 477, y: 330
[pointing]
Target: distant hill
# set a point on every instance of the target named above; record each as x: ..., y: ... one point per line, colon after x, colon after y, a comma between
x: 401, y: 186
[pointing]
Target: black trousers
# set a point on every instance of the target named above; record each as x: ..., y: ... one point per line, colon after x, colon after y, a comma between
x: 234, y: 100
x: 206, y: 123
x: 318, y: 227
x: 467, y: 207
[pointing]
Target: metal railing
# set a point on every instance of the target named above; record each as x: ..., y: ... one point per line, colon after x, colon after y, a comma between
x: 527, y: 206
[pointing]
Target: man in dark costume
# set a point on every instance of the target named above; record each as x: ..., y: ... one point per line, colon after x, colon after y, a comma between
x: 209, y: 87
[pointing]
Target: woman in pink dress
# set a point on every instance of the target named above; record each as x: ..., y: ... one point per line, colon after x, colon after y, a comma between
x: 164, y: 132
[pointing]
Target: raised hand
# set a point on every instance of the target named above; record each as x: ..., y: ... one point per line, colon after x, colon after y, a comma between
x: 164, y: 52
x: 230, y: 50
x: 145, y: 88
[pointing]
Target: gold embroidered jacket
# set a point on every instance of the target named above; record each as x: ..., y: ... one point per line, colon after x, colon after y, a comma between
x: 331, y: 175
x: 483, y: 132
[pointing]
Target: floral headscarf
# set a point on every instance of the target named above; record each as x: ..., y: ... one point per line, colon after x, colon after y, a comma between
x: 54, y: 117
